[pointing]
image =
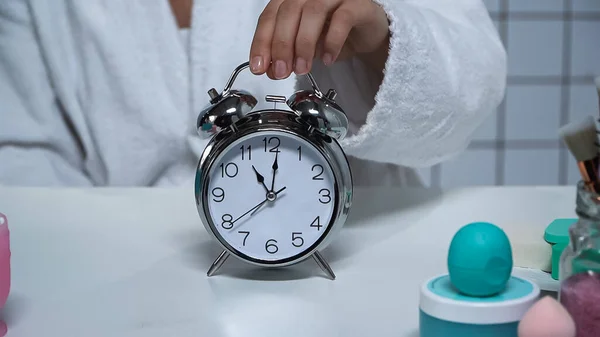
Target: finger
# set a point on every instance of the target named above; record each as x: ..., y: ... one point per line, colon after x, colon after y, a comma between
x: 314, y: 17
x: 260, y: 50
x: 319, y: 50
x: 345, y: 54
x: 284, y: 37
x: 346, y: 17
x: 270, y: 73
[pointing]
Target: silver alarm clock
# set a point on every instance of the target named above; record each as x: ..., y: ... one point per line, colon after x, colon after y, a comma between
x: 273, y: 186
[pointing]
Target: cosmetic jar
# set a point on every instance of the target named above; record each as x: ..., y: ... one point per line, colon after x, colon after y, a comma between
x: 445, y: 312
x: 579, y: 273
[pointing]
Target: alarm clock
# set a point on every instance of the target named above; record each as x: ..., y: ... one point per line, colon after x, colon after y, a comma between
x: 273, y: 186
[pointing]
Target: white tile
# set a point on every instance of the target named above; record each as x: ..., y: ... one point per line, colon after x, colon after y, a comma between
x: 532, y: 112
x: 531, y: 167
x: 586, y: 6
x: 472, y: 167
x: 492, y: 5
x: 584, y: 102
x: 487, y: 131
x: 536, y: 5
x: 497, y: 24
x: 585, y: 56
x: 535, y: 47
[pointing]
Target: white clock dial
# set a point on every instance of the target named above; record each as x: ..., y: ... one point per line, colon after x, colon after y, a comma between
x: 282, y: 219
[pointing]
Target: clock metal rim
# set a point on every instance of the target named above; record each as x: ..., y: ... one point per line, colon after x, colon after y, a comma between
x: 287, y: 122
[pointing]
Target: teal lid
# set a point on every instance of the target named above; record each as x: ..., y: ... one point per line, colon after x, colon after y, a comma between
x: 516, y: 288
x: 558, y: 231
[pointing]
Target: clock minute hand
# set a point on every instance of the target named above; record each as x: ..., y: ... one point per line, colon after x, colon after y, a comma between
x: 275, y: 167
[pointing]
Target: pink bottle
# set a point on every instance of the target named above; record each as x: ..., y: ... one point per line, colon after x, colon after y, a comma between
x: 4, y: 266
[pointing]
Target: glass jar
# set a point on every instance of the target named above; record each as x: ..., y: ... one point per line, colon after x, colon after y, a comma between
x: 580, y: 265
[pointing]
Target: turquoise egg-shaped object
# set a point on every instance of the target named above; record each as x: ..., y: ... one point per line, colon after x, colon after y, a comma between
x: 480, y: 259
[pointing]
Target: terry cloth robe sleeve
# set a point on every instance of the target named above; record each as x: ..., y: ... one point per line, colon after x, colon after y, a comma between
x: 445, y: 74
x: 35, y: 143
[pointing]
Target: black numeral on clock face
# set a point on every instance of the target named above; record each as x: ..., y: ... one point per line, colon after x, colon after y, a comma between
x: 230, y: 170
x: 297, y: 239
x: 218, y: 194
x: 245, y: 233
x: 273, y: 142
x: 246, y: 152
x: 319, y: 169
x: 227, y: 221
x: 317, y: 223
x: 271, y: 246
x: 325, y: 196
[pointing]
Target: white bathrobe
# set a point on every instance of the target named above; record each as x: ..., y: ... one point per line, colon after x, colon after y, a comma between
x: 106, y: 92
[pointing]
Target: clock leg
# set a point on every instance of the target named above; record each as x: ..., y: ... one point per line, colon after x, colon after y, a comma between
x: 218, y: 263
x: 320, y: 260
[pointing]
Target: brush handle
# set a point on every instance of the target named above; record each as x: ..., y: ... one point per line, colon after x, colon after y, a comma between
x: 589, y: 174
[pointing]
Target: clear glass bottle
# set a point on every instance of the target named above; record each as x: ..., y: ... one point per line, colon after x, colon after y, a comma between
x: 580, y: 265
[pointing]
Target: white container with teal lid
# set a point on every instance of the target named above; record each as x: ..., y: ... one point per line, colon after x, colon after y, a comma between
x: 478, y: 296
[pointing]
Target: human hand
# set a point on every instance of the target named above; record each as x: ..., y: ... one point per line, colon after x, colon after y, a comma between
x: 290, y: 34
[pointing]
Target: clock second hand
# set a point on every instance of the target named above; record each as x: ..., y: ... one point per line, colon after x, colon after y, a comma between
x: 255, y: 208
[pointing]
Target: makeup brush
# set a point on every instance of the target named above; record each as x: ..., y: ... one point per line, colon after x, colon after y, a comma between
x: 581, y: 138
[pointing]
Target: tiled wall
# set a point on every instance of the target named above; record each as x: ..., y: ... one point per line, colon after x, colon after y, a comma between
x: 553, y: 55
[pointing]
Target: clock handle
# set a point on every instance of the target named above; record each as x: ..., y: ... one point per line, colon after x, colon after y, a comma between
x: 234, y: 75
x: 245, y: 65
x: 229, y: 106
x: 331, y: 118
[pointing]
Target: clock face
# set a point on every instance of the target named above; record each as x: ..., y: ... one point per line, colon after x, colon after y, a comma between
x: 271, y: 196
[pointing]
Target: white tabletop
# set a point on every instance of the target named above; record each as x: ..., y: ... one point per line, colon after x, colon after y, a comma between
x: 133, y: 262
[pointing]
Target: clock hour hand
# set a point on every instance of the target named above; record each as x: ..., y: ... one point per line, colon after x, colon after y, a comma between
x: 275, y: 167
x: 260, y: 179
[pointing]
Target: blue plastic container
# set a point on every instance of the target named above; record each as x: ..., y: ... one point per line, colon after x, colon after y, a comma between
x: 445, y: 312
